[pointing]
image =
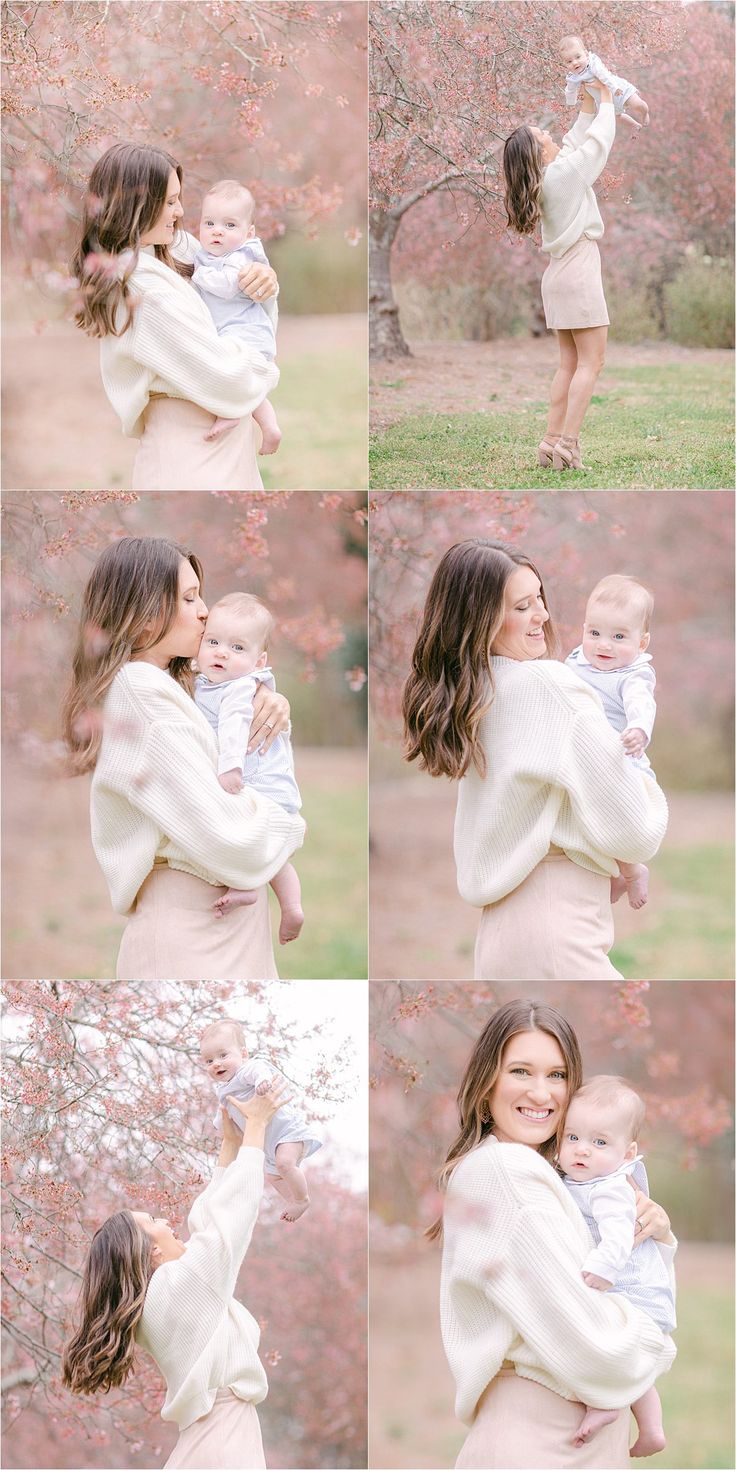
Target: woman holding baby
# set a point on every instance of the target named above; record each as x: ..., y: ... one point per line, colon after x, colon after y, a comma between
x: 166, y: 371
x: 549, y: 802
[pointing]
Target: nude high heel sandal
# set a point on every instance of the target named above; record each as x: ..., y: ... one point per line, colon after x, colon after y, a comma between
x: 545, y: 452
x: 566, y: 454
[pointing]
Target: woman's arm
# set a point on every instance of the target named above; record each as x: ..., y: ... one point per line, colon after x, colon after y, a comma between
x: 621, y: 812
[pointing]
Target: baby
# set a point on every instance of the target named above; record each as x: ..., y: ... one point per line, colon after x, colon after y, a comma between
x: 584, y: 66
x: 289, y: 1138
x: 232, y: 662
x: 597, y: 1153
x: 229, y: 245
x: 612, y: 658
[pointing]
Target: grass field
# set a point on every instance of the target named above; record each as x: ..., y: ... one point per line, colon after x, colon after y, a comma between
x: 694, y: 927
x: 653, y: 425
x: 322, y: 403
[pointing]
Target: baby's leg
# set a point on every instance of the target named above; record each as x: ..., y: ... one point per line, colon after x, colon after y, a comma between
x: 591, y: 1422
x: 636, y: 109
x: 290, y: 1181
x: 234, y: 898
x: 636, y: 883
x: 265, y: 417
x: 221, y: 426
x: 648, y: 1414
x: 288, y: 891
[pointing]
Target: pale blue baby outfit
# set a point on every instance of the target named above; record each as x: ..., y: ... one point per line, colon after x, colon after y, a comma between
x: 621, y: 90
x: 637, y: 1271
x: 229, y: 709
x: 233, y: 313
x: 288, y: 1125
x: 627, y: 695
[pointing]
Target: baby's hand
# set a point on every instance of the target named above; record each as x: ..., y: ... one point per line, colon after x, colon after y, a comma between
x: 598, y: 1283
x: 231, y: 781
x: 264, y: 1086
x: 634, y: 740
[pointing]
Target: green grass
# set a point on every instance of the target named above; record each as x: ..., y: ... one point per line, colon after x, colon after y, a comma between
x: 693, y: 932
x: 321, y: 402
x: 697, y: 1394
x: 655, y: 428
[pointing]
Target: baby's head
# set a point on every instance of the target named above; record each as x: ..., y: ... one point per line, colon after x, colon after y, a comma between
x: 617, y: 619
x: 222, y: 1049
x: 235, y: 638
x: 574, y: 53
x: 227, y: 217
x: 601, y: 1129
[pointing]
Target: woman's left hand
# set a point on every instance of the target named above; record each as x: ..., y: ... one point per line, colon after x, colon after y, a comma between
x: 259, y: 281
x: 270, y: 718
x: 651, y: 1219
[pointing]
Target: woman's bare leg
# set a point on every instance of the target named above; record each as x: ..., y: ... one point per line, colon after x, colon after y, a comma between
x: 558, y: 393
x: 590, y: 344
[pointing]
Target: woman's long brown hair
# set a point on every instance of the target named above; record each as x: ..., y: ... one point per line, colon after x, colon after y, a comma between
x: 133, y: 589
x: 483, y: 1068
x: 119, y: 1266
x: 522, y: 171
x: 125, y: 195
x: 450, y: 686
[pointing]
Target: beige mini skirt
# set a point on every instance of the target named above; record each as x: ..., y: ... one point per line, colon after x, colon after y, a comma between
x: 519, y: 1425
x: 174, y: 934
x: 174, y: 454
x: 557, y: 925
x: 228, y: 1438
x: 572, y: 289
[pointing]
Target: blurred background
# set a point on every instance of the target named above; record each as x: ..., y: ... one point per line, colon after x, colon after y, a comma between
x: 305, y: 555
x: 681, y: 545
x: 674, y: 1042
x: 107, y: 1108
x: 272, y: 94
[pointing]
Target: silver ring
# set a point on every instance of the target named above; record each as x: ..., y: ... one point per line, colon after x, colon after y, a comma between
x: 267, y: 725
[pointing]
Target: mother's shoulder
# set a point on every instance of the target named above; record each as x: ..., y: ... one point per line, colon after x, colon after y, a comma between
x: 492, y: 1162
x: 150, y: 686
x: 548, y: 675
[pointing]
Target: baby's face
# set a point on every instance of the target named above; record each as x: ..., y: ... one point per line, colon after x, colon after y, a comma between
x: 220, y: 1055
x: 574, y: 53
x: 595, y: 1140
x: 230, y: 647
x: 612, y: 636
x: 225, y: 224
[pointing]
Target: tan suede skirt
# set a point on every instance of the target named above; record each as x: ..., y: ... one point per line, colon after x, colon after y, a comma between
x: 572, y: 288
x: 557, y: 925
x: 173, y: 933
x: 228, y: 1438
x: 519, y: 1425
x: 174, y: 454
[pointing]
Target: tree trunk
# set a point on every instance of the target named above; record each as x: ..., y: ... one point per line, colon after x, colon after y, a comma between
x: 386, y: 337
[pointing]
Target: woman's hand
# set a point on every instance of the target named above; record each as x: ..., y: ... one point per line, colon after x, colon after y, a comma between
x: 651, y: 1219
x: 270, y: 718
x: 606, y: 94
x: 232, y: 1138
x: 259, y: 281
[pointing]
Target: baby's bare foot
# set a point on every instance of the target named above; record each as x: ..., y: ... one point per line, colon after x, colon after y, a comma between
x: 291, y: 924
x: 591, y: 1422
x: 618, y: 888
x: 650, y: 1442
x: 271, y: 438
x: 292, y: 1212
x: 219, y: 427
x: 637, y: 886
x: 235, y: 898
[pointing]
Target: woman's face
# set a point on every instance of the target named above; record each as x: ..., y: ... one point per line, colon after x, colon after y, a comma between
x: 159, y: 1231
x: 529, y: 1095
x: 163, y: 229
x: 183, y: 638
x: 524, y: 615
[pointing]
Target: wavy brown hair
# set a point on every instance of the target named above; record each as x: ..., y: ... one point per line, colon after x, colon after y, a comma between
x: 125, y: 195
x: 482, y: 1071
x: 101, y: 1353
x: 522, y: 171
x: 450, y: 687
x: 134, y: 587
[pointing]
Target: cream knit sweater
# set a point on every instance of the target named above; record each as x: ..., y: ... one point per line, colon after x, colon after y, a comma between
x: 568, y: 205
x: 557, y: 774
x: 172, y: 347
x: 198, y: 1335
x: 512, y: 1289
x: 155, y: 793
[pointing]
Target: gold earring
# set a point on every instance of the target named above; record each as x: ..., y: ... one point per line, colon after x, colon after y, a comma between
x: 485, y: 1111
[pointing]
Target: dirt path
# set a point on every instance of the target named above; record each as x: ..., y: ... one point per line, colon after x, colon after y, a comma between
x: 471, y: 377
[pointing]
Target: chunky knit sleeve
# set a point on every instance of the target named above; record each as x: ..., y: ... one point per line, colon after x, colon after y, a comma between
x: 591, y: 143
x: 617, y: 808
x: 221, y: 1223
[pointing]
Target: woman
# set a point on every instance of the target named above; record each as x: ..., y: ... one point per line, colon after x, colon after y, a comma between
x: 166, y: 372
x: 167, y: 836
x: 142, y: 1286
x: 528, y: 1342
x: 548, y: 801
x: 551, y: 185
